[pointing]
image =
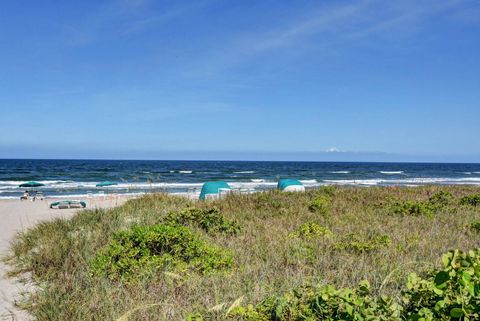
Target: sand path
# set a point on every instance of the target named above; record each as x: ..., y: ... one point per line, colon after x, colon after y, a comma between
x: 16, y: 216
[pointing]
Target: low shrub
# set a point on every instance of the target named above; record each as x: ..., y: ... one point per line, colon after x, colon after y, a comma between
x: 209, y: 220
x: 475, y: 226
x: 311, y: 230
x: 353, y: 243
x: 267, y: 200
x: 441, y: 199
x: 320, y: 204
x: 142, y: 250
x: 412, y: 208
x: 421, y: 208
x: 303, y: 252
x: 451, y: 293
x: 472, y: 200
x: 328, y: 190
x: 324, y: 303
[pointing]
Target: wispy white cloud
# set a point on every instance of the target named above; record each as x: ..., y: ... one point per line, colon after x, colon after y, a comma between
x: 344, y: 22
x: 121, y: 18
x: 326, y: 30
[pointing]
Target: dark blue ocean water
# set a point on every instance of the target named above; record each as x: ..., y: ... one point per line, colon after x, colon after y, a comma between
x: 67, y: 178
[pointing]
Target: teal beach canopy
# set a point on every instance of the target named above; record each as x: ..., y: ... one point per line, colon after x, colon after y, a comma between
x: 68, y: 203
x: 284, y: 183
x: 213, y: 188
x: 106, y: 183
x: 31, y: 184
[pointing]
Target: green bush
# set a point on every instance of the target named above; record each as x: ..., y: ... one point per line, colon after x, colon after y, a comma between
x: 421, y: 208
x: 452, y: 293
x: 320, y: 204
x: 441, y: 199
x: 449, y: 294
x: 143, y: 250
x: 321, y: 303
x: 310, y: 231
x: 267, y: 200
x: 472, y: 200
x: 412, y: 208
x: 353, y: 243
x: 209, y: 220
x: 328, y: 190
x: 475, y: 226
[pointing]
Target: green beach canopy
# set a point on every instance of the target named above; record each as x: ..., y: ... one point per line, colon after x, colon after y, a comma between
x: 105, y: 184
x: 284, y: 183
x: 213, y: 188
x: 69, y: 203
x: 31, y: 184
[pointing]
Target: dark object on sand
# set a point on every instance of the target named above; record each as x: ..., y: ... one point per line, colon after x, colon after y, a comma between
x: 68, y: 204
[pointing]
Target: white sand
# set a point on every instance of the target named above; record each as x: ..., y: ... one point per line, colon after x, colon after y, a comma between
x: 15, y: 216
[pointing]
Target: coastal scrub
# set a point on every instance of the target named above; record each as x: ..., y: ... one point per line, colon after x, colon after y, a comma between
x: 206, y: 271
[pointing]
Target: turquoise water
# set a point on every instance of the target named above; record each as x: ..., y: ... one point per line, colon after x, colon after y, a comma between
x: 68, y: 178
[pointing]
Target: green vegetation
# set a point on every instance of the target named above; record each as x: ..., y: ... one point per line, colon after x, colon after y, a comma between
x: 311, y: 230
x: 412, y: 208
x: 320, y: 204
x: 475, y: 226
x: 353, y: 243
x: 209, y: 220
x: 472, y: 200
x: 452, y: 293
x: 162, y: 257
x: 427, y: 208
x: 441, y: 199
x: 148, y: 249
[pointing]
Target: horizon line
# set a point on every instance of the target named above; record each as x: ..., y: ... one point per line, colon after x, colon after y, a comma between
x: 243, y: 160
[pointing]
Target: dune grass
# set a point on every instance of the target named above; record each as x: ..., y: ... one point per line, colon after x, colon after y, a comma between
x: 281, y: 241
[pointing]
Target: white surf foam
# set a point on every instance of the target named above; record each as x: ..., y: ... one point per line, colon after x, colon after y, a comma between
x: 391, y: 172
x: 409, y: 181
x: 244, y: 172
x: 340, y: 172
x: 185, y: 172
x: 308, y: 181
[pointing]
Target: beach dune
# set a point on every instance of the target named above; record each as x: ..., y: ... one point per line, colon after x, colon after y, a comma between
x: 15, y: 216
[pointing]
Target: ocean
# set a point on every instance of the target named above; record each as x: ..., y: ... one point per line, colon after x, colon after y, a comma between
x: 77, y: 178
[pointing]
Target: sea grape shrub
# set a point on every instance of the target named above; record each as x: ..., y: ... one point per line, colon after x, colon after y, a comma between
x: 320, y: 204
x: 475, y: 226
x: 427, y: 208
x: 209, y: 220
x: 452, y: 293
x: 441, y: 199
x: 311, y: 230
x: 412, y: 208
x: 353, y: 243
x: 323, y: 303
x: 142, y: 250
x: 472, y: 200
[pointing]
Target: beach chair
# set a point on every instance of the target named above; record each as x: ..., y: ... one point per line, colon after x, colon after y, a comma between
x: 39, y: 195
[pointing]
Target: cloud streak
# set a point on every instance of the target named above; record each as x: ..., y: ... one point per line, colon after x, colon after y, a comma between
x: 122, y: 18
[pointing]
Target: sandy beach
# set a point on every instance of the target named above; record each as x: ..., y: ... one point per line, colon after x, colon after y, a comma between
x: 19, y: 215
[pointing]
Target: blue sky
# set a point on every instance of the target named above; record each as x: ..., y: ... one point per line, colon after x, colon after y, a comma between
x: 333, y: 80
